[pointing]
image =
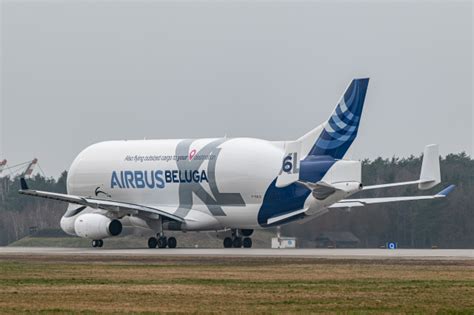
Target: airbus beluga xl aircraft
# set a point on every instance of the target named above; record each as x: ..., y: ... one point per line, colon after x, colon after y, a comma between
x: 235, y: 185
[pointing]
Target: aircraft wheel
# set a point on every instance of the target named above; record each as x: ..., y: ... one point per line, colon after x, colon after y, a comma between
x: 247, y: 242
x: 152, y: 242
x: 172, y: 242
x: 101, y: 243
x: 237, y: 243
x: 95, y: 243
x: 227, y: 242
x: 162, y: 242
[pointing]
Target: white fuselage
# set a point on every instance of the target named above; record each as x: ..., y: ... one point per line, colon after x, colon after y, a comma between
x: 182, y: 176
x: 213, y: 184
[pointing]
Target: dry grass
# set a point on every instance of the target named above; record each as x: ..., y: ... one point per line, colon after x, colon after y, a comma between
x: 236, y: 285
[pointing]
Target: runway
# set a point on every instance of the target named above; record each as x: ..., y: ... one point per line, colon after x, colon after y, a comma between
x: 418, y: 254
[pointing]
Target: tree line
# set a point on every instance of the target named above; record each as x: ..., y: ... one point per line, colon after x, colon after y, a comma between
x: 20, y: 214
x: 445, y: 223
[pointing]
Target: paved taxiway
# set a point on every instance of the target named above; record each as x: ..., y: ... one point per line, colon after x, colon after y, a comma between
x: 419, y: 254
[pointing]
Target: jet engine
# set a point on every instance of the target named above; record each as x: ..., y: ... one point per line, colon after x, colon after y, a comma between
x: 96, y: 226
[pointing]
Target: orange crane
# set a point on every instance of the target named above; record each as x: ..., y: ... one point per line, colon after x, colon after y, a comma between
x: 25, y: 169
x: 2, y: 165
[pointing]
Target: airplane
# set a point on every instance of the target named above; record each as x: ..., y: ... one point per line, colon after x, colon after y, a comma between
x: 229, y: 185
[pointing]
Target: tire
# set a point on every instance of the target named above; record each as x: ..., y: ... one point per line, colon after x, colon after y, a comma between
x: 152, y: 242
x: 247, y: 242
x: 162, y: 242
x: 227, y: 242
x: 237, y: 242
x: 172, y: 242
x: 101, y: 243
x: 94, y: 243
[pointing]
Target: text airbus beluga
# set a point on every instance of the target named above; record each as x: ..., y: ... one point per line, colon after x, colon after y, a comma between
x: 235, y: 185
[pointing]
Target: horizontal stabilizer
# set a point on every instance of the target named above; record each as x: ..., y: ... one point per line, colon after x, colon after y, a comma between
x: 348, y: 203
x: 430, y: 175
x: 344, y: 204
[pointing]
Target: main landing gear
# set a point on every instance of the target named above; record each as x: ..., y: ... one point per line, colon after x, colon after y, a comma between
x: 97, y: 243
x: 236, y: 241
x: 162, y: 242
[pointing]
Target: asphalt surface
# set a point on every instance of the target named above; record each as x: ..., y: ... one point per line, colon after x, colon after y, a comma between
x: 419, y: 254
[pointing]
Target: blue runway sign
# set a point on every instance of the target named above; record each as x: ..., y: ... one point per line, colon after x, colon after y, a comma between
x: 391, y: 245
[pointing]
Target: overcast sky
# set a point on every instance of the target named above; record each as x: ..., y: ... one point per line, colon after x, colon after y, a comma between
x: 78, y: 72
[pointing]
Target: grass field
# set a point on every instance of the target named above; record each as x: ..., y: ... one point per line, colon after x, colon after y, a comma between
x: 233, y: 285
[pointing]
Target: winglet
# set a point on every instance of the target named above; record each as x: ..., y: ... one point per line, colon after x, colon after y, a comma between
x: 446, y: 191
x: 23, y: 184
x: 430, y: 172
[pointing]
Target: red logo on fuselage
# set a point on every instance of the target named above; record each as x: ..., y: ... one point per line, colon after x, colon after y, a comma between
x: 192, y: 154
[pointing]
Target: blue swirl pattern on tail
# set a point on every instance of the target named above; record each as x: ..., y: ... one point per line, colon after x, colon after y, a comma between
x: 341, y: 128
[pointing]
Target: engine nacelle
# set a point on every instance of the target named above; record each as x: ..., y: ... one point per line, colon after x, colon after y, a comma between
x: 96, y: 226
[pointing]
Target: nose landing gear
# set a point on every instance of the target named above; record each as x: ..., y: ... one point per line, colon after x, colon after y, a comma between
x: 97, y: 243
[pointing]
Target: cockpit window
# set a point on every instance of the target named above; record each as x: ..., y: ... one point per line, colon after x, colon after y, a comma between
x: 73, y: 212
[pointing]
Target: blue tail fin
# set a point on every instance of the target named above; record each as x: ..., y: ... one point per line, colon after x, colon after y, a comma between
x: 341, y: 128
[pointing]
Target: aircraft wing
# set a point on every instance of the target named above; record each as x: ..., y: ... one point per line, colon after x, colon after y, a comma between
x: 284, y: 216
x: 349, y: 203
x: 97, y: 203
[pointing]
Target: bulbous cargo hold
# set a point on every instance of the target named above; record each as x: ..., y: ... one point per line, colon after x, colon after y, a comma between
x: 167, y: 172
